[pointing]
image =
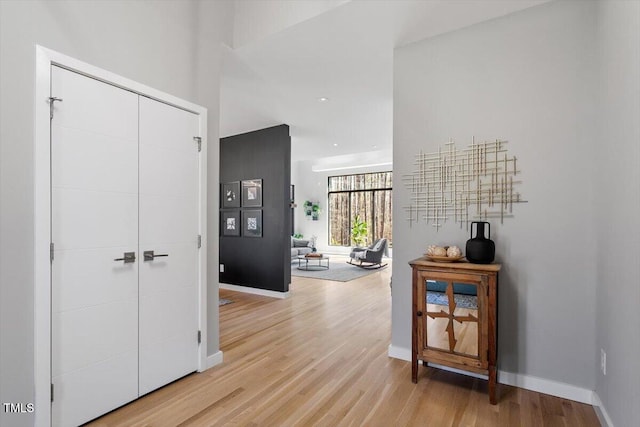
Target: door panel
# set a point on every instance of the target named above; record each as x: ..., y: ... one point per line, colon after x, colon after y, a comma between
x: 168, y: 172
x: 84, y: 154
x: 169, y: 224
x: 125, y: 173
x: 96, y: 107
x: 80, y: 386
x: 84, y: 287
x: 94, y: 212
x: 164, y: 311
x: 167, y: 219
x: 94, y: 219
x: 75, y: 331
x: 164, y: 275
x: 156, y: 371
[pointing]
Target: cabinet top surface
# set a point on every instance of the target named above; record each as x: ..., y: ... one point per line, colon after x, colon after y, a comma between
x: 423, y: 262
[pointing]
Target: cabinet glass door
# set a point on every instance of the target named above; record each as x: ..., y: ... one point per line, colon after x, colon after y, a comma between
x: 451, y: 316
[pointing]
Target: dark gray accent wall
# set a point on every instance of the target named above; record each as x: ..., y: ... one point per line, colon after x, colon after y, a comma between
x: 263, y: 263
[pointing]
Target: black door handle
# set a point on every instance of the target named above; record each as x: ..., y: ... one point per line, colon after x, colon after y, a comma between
x: 149, y: 255
x: 128, y: 257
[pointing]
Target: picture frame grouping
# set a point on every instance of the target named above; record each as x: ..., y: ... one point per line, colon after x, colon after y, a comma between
x: 252, y: 193
x: 230, y: 223
x: 235, y: 221
x: 230, y: 195
x: 252, y: 223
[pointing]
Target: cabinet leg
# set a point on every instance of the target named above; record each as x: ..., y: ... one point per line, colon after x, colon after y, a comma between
x: 492, y: 385
x: 414, y: 369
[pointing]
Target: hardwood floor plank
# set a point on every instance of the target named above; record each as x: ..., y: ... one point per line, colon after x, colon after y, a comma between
x: 319, y: 358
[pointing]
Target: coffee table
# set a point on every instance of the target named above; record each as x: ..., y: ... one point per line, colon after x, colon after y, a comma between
x: 313, y: 266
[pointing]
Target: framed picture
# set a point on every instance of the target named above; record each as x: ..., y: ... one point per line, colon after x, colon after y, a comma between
x: 252, y: 223
x: 252, y: 193
x: 230, y: 223
x: 230, y: 195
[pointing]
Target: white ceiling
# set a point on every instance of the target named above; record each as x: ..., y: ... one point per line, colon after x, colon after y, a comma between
x: 345, y: 55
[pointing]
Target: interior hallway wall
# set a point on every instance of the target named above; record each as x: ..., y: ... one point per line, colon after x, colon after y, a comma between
x: 528, y: 78
x: 170, y: 45
x: 617, y: 183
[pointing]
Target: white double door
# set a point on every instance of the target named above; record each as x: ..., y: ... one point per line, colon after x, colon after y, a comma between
x: 125, y: 180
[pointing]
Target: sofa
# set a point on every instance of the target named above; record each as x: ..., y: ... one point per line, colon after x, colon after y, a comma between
x: 300, y: 247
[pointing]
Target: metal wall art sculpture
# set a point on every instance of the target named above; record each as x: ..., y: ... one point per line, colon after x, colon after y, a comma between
x: 476, y: 183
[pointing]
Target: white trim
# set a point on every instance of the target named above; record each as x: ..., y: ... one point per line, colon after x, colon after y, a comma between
x: 255, y: 291
x: 204, y: 247
x: 45, y: 58
x: 215, y: 359
x: 601, y: 411
x: 399, y: 353
x: 543, y: 385
x: 42, y: 240
x: 528, y: 382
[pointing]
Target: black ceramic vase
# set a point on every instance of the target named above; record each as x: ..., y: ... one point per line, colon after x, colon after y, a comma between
x: 480, y: 249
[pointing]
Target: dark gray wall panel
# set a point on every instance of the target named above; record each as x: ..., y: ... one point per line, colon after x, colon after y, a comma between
x: 265, y: 262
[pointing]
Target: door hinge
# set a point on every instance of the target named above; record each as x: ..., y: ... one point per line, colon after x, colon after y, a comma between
x: 52, y: 99
x: 199, y: 337
x: 198, y: 140
x: 51, y: 248
x: 52, y: 392
x: 199, y: 241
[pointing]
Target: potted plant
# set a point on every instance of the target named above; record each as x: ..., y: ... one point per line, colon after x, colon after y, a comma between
x: 359, y: 231
x: 315, y: 211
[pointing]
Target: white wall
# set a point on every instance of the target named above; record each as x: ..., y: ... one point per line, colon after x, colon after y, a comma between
x: 617, y: 180
x: 213, y: 33
x: 529, y: 78
x: 248, y: 101
x: 314, y: 186
x: 169, y: 45
x: 256, y: 19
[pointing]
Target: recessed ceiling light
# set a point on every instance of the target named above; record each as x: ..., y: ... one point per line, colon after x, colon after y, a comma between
x: 323, y: 99
x: 374, y: 146
x: 335, y: 145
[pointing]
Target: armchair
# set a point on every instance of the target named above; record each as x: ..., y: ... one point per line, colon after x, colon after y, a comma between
x: 370, y: 257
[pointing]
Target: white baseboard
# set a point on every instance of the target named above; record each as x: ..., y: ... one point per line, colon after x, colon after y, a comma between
x: 528, y: 382
x: 400, y: 353
x: 255, y: 291
x: 601, y: 412
x: 543, y: 385
x: 214, y: 359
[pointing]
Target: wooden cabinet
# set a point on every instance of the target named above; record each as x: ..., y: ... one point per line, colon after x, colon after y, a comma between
x: 454, y: 319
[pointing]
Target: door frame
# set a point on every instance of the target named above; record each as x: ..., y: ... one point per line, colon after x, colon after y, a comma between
x: 45, y: 59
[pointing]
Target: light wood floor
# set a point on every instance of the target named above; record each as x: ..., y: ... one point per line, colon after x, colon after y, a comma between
x: 320, y: 358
